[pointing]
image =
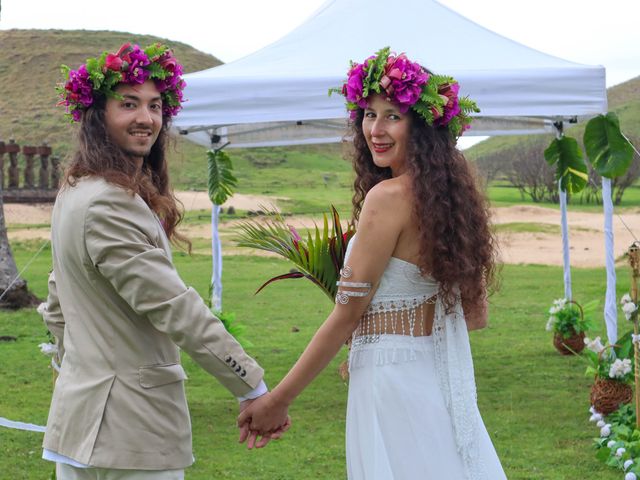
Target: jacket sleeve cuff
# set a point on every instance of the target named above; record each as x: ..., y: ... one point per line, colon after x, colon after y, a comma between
x: 260, y: 390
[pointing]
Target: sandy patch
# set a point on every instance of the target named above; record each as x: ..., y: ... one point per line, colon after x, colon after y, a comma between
x: 200, y: 201
x: 27, y: 214
x: 586, y: 229
x: 586, y: 236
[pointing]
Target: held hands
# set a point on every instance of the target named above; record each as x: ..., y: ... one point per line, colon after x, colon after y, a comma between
x: 265, y: 417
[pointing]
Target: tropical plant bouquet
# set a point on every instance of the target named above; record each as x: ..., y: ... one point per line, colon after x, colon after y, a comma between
x: 318, y: 258
x: 569, y: 321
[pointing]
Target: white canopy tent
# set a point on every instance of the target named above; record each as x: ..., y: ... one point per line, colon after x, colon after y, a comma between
x: 279, y: 95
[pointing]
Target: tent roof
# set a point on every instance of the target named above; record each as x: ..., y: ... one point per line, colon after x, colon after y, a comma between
x: 278, y: 95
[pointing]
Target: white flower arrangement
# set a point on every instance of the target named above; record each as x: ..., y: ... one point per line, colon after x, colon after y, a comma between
x: 628, y: 306
x: 620, y: 368
x: 568, y: 318
x: 627, y: 464
x: 594, y: 345
x: 606, y: 430
x: 620, y: 452
x: 630, y: 476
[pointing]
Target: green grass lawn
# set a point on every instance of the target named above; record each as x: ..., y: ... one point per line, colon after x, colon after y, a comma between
x: 534, y: 401
x: 501, y: 194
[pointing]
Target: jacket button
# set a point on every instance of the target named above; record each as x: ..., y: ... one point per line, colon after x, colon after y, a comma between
x: 244, y: 373
x: 239, y: 369
x: 227, y: 359
x: 233, y: 363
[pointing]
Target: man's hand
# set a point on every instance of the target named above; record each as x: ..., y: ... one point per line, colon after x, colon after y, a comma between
x: 265, y: 417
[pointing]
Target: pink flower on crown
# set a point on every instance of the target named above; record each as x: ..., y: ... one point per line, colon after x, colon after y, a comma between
x: 168, y: 62
x: 135, y: 72
x: 403, y: 81
x: 174, y: 72
x: 449, y: 92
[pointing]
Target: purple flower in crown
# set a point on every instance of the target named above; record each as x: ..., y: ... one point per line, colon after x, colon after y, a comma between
x: 449, y: 92
x: 135, y: 71
x: 79, y: 87
x: 353, y: 88
x: 173, y: 99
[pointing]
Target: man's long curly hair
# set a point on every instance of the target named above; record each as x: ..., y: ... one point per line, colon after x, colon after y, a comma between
x: 98, y: 156
x: 457, y: 245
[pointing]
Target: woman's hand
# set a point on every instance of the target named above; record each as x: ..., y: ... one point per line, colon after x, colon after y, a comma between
x: 266, y: 416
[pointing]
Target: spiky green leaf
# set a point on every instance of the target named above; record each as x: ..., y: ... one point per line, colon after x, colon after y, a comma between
x: 319, y: 257
x: 221, y: 178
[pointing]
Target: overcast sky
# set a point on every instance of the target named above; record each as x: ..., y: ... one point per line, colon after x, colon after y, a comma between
x: 594, y: 32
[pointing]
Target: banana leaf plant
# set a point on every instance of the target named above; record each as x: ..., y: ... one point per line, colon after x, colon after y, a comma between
x: 608, y: 151
x: 318, y: 258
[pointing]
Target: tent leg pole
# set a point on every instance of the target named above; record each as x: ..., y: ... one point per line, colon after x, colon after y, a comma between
x: 610, y: 307
x: 566, y: 262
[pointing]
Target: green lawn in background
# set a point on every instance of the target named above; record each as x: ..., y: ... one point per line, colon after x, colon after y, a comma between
x: 534, y: 401
x: 314, y: 177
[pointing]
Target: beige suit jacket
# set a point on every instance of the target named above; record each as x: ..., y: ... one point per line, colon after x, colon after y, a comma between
x: 118, y: 307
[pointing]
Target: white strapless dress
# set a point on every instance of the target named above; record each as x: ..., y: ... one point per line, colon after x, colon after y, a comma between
x: 412, y: 411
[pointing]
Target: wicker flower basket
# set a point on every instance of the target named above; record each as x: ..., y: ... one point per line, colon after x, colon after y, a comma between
x: 607, y: 395
x: 575, y: 343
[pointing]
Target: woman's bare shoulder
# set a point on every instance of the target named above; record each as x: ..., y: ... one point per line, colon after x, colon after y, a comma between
x: 392, y: 192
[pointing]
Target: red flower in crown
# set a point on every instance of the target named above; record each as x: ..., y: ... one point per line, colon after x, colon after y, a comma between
x: 449, y: 92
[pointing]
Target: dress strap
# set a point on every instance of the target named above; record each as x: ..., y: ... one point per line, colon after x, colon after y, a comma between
x: 454, y: 367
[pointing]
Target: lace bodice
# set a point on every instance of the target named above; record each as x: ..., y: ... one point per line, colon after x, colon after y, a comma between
x: 401, y: 280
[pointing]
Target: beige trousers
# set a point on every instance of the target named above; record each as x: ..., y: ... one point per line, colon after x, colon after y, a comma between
x: 67, y: 472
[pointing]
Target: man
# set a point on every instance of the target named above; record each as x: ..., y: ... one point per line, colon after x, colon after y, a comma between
x: 116, y: 304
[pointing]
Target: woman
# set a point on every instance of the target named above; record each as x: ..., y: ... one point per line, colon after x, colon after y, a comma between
x: 414, y: 281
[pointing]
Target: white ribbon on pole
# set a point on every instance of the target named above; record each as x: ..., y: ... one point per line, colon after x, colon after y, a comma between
x: 610, y: 304
x: 30, y: 427
x: 565, y: 242
x: 216, y: 258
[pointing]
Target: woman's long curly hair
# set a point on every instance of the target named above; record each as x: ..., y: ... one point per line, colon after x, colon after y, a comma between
x: 97, y: 155
x: 457, y: 245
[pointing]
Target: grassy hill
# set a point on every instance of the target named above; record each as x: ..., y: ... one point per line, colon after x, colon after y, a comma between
x: 624, y: 100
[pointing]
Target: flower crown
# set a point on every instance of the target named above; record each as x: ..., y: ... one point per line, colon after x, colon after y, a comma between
x: 130, y: 65
x: 408, y: 85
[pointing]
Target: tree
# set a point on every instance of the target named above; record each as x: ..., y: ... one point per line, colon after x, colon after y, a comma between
x: 14, y: 293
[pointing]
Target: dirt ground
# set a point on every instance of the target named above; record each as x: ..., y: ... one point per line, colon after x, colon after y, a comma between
x: 586, y: 229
